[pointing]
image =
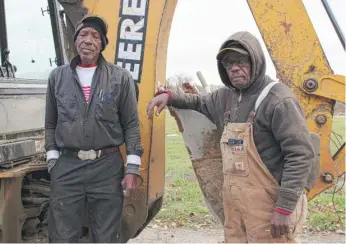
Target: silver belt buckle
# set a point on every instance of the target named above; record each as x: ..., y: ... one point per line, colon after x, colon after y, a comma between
x: 87, y: 155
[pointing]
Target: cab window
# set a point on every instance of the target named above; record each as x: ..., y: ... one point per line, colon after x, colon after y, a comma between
x: 28, y: 37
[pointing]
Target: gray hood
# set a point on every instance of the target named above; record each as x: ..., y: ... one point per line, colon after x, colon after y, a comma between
x: 258, y: 64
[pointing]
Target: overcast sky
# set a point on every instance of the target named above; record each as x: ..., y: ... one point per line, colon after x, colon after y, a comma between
x: 30, y: 39
x: 200, y: 26
x: 198, y: 29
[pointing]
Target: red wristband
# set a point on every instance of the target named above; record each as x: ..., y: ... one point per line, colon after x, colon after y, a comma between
x: 283, y: 211
x: 164, y: 91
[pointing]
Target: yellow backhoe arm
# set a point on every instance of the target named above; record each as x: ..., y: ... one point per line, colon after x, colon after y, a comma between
x: 301, y: 64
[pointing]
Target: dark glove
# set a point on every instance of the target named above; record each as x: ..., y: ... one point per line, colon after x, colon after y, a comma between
x: 51, y: 164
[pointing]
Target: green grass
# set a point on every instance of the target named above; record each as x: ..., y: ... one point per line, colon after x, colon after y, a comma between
x: 326, y: 215
x: 339, y: 136
x: 184, y: 204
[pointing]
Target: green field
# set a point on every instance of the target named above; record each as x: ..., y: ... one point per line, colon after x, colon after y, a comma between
x: 184, y: 204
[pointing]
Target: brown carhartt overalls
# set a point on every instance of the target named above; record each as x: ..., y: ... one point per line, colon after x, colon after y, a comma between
x: 250, y: 191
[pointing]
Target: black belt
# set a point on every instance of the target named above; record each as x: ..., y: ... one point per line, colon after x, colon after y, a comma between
x: 90, y: 154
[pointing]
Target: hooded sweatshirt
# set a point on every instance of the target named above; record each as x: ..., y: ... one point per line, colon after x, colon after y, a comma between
x: 280, y: 132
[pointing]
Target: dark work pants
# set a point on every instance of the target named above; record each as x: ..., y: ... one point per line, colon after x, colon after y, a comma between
x: 77, y: 184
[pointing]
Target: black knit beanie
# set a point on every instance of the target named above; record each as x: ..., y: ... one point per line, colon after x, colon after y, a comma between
x: 96, y: 23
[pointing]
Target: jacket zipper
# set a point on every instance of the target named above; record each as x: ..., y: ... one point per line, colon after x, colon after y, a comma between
x: 239, y: 99
x: 234, y: 113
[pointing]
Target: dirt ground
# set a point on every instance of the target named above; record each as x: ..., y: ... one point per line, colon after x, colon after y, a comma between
x: 204, y: 235
x: 185, y: 235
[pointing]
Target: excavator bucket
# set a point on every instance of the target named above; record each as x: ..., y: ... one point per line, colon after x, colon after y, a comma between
x: 202, y: 143
x: 205, y: 154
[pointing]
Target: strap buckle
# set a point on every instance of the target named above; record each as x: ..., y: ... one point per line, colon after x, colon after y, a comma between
x: 89, y: 155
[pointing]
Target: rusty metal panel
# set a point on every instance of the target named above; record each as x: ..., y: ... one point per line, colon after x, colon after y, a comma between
x: 12, y: 214
x: 23, y: 169
x: 19, y: 150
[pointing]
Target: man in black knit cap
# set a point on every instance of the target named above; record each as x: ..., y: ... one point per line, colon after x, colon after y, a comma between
x: 91, y: 110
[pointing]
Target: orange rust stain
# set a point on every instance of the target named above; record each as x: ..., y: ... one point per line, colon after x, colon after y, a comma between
x: 286, y: 26
x: 311, y: 69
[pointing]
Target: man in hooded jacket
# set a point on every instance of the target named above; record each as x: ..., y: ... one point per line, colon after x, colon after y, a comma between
x: 266, y: 149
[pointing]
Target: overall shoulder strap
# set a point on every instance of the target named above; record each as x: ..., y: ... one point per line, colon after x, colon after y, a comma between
x: 264, y: 93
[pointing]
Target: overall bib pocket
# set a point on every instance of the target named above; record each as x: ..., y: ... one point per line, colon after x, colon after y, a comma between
x: 234, y: 156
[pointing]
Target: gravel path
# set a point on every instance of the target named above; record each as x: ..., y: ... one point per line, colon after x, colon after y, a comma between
x: 185, y: 235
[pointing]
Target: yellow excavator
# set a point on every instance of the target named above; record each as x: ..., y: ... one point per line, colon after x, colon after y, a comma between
x: 36, y: 36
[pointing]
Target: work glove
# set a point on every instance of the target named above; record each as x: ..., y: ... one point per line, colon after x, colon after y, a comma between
x: 51, y: 164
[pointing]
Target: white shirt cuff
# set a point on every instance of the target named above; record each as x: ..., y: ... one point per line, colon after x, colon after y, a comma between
x: 133, y: 159
x: 52, y: 154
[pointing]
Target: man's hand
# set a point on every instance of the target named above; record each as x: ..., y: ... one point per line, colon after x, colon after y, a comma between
x: 130, y: 184
x: 160, y: 101
x: 280, y: 224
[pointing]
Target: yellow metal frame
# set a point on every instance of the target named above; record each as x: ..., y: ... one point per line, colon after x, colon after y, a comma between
x: 332, y: 87
x: 160, y: 16
x: 300, y: 63
x: 159, y: 19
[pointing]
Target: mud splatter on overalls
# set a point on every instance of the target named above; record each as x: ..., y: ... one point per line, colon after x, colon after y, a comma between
x: 250, y: 191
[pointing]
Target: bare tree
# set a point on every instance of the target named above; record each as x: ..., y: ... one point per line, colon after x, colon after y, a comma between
x: 183, y: 78
x: 177, y: 80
